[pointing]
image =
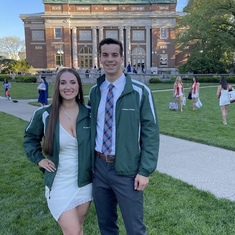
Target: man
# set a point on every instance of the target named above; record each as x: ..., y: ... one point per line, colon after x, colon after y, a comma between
x: 126, y: 151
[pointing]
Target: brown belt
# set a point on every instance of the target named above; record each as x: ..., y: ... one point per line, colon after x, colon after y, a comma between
x: 109, y: 158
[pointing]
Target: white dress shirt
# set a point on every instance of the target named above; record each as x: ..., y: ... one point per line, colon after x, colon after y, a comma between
x: 119, y: 85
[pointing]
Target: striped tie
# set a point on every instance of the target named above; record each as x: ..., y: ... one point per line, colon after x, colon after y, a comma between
x: 108, y: 122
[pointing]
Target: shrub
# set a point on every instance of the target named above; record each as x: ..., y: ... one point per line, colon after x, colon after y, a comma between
x: 26, y: 79
x: 2, y: 76
x: 155, y: 80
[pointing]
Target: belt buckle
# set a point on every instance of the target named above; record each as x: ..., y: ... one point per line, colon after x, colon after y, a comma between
x: 108, y: 161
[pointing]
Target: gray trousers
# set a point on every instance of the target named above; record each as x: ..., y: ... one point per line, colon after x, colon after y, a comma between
x: 109, y: 190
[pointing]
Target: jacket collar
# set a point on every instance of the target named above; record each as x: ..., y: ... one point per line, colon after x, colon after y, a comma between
x: 128, y: 86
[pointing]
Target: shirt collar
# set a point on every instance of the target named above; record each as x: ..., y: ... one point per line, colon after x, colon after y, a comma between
x: 118, y: 83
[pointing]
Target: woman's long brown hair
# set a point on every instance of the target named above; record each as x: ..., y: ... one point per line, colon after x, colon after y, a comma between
x: 57, y: 100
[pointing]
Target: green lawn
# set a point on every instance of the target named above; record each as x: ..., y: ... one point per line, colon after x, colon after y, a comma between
x: 171, y: 206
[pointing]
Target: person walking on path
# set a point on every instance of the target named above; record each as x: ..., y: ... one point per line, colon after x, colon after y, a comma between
x: 125, y: 137
x: 195, y: 92
x: 7, y: 86
x: 178, y: 91
x: 42, y: 93
x: 223, y: 95
x: 65, y: 157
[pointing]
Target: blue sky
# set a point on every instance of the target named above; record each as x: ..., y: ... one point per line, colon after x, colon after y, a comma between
x: 10, y: 23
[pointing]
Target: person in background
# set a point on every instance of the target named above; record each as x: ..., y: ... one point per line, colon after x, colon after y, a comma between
x: 42, y: 93
x: 87, y: 73
x: 65, y: 156
x: 46, y: 91
x: 125, y: 140
x: 7, y: 86
x: 142, y: 68
x: 223, y: 95
x: 178, y: 91
x: 129, y: 67
x: 195, y: 92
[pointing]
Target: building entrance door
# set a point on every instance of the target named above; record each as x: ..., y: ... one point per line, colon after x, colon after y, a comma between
x: 85, y: 58
x: 138, y: 59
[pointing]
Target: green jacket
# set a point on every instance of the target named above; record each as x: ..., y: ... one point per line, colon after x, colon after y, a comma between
x: 34, y: 133
x: 137, y: 131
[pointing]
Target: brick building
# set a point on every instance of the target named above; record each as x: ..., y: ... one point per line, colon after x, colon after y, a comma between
x: 68, y: 31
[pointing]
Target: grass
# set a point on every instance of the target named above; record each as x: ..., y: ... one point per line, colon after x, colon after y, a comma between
x: 171, y: 206
x: 203, y: 125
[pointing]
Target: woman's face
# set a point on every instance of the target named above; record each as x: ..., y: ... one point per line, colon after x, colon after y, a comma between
x: 68, y: 86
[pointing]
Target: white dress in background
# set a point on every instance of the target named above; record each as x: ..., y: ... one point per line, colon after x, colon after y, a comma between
x: 65, y: 193
x: 195, y: 87
x: 224, y: 98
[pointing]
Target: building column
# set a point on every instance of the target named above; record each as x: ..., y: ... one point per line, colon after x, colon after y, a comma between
x: 75, y: 47
x: 94, y: 47
x: 128, y: 44
x: 121, y: 39
x: 101, y: 33
x: 148, y: 50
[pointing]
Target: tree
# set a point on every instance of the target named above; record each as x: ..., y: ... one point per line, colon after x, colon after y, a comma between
x: 4, y: 63
x: 21, y: 66
x: 208, y: 30
x: 10, y: 47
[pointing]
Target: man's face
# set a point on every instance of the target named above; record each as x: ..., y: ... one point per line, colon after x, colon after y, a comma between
x: 111, y: 60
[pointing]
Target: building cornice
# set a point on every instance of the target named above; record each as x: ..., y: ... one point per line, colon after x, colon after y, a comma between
x: 120, y: 2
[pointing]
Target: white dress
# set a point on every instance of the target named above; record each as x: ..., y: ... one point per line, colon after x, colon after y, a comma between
x: 224, y: 98
x: 196, y: 94
x: 65, y: 193
x: 179, y: 90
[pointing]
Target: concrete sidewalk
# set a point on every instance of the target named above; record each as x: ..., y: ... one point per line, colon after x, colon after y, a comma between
x: 207, y: 168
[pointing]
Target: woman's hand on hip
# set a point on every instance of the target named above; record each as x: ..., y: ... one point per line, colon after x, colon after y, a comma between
x: 47, y: 165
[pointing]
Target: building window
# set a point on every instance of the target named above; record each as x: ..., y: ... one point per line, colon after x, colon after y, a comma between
x: 163, y: 33
x: 138, y: 35
x: 59, y: 58
x: 85, y: 35
x: 85, y: 58
x: 58, y: 33
x: 111, y: 34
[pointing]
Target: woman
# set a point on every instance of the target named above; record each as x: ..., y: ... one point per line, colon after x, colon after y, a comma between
x: 179, y: 91
x: 223, y: 95
x: 46, y: 91
x: 65, y: 160
x: 7, y: 86
x: 195, y: 92
x: 42, y: 93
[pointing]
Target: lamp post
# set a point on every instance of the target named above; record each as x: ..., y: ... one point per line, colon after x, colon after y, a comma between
x: 60, y: 52
x: 201, y: 61
x: 154, y: 54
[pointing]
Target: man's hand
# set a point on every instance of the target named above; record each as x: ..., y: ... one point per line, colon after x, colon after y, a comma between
x: 141, y: 182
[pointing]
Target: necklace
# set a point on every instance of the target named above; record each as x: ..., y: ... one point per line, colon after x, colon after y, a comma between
x: 67, y: 115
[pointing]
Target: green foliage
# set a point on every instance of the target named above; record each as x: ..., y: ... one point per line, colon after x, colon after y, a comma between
x: 209, y: 34
x: 21, y: 78
x: 8, y: 77
x: 26, y: 79
x: 4, y: 63
x: 21, y: 66
x: 155, y: 80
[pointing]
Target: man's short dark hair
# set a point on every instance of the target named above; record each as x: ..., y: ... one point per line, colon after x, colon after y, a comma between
x: 110, y: 41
